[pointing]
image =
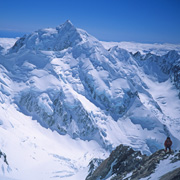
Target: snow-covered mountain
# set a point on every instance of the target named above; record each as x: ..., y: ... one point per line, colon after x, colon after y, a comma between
x: 66, y: 99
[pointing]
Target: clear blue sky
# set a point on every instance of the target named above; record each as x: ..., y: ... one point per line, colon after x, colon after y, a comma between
x: 109, y: 20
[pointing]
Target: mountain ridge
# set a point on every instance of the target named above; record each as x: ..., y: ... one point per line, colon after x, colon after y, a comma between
x: 126, y: 164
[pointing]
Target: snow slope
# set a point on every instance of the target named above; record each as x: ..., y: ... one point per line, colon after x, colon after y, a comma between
x: 65, y: 99
x: 34, y: 152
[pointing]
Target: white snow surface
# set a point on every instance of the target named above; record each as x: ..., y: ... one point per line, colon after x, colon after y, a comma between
x: 34, y: 152
x: 65, y: 99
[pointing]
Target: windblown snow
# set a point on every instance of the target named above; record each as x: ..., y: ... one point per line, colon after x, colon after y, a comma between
x: 65, y: 99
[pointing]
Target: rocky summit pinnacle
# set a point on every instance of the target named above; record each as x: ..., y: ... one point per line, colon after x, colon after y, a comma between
x: 68, y: 23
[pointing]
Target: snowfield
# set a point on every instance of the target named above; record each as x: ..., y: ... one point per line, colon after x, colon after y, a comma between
x: 66, y: 98
x: 34, y: 152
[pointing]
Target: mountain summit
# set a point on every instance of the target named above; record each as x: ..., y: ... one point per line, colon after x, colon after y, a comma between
x: 59, y: 38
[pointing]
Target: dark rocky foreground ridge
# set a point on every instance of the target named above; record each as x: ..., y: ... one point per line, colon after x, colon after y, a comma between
x: 126, y: 164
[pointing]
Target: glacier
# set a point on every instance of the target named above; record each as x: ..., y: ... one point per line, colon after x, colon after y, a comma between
x: 66, y: 98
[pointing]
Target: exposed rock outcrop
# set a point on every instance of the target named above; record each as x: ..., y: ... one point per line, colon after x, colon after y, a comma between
x: 121, y: 161
x: 127, y: 164
x: 3, y: 156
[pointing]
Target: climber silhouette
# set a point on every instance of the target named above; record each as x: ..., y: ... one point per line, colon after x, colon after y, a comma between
x: 168, y: 144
